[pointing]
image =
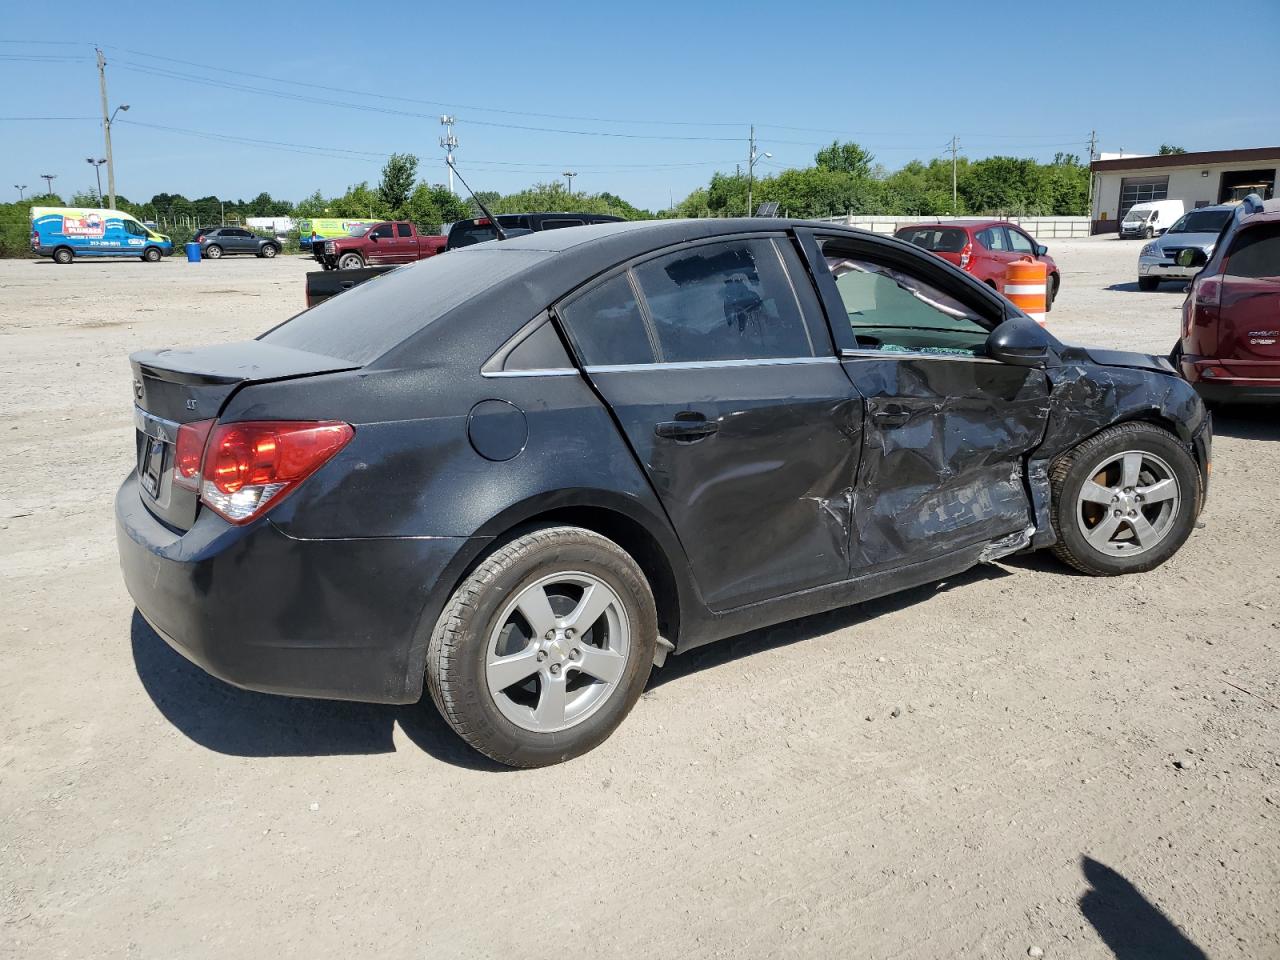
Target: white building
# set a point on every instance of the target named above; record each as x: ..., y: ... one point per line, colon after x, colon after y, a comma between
x: 1197, y: 179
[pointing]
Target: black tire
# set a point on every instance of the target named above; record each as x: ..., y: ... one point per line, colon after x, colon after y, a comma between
x: 1148, y: 233
x: 213, y: 252
x: 151, y: 254
x: 269, y: 250
x: 1050, y: 291
x: 1148, y: 284
x: 1070, y: 472
x: 63, y: 255
x: 350, y: 261
x: 458, y: 647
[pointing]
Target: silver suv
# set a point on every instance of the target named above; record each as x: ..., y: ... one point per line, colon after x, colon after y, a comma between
x: 1198, y: 229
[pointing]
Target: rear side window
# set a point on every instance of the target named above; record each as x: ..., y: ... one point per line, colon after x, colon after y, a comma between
x: 935, y: 239
x: 368, y: 320
x: 724, y: 301
x: 607, y: 326
x: 1020, y: 242
x: 1256, y: 253
x: 404, y: 230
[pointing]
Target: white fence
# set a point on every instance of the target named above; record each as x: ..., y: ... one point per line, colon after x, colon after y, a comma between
x: 1042, y: 228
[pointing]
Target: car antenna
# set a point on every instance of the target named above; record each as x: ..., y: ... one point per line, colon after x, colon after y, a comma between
x: 497, y: 227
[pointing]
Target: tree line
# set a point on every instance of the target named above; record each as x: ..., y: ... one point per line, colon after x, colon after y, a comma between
x: 844, y: 178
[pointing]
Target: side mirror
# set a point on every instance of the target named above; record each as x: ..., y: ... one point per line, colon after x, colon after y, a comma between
x: 1192, y: 257
x: 373, y: 237
x: 1041, y: 249
x: 1022, y: 343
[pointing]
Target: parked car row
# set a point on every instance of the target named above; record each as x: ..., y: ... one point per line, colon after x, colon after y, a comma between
x: 984, y: 248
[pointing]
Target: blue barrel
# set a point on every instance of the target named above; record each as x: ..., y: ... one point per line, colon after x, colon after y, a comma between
x: 193, y: 253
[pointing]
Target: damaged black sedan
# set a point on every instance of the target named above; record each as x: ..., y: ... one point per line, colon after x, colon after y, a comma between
x: 522, y: 473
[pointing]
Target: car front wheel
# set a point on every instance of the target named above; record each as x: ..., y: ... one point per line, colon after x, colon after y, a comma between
x: 1125, y: 500
x: 544, y: 648
x: 350, y: 261
x: 269, y: 250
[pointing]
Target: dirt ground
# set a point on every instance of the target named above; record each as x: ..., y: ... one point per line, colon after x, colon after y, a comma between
x: 1019, y: 759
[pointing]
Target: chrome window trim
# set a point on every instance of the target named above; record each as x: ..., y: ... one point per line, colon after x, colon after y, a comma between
x: 546, y: 372
x: 706, y: 364
x: 881, y: 355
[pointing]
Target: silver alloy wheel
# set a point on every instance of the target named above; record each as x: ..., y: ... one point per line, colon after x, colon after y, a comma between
x: 1129, y: 504
x: 558, y: 652
x: 213, y: 252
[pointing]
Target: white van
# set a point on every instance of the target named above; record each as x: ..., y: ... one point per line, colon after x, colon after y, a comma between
x: 1151, y: 218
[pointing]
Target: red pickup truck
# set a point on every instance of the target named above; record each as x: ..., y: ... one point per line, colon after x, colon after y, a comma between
x: 390, y: 243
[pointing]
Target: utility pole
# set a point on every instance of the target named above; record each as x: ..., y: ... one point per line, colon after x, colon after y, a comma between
x: 48, y: 178
x: 1093, y: 152
x: 97, y: 169
x: 568, y: 176
x: 752, y: 156
x: 450, y: 143
x: 106, y: 127
x: 954, y: 147
x: 20, y: 187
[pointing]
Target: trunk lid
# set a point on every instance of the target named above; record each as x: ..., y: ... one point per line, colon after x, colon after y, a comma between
x: 1249, y: 319
x: 173, y: 387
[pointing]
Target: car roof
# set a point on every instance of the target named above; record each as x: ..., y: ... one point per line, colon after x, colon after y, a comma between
x: 966, y: 224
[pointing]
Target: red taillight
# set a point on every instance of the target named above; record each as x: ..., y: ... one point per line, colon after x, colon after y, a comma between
x: 482, y: 222
x: 248, y: 467
x: 965, y: 254
x: 189, y: 452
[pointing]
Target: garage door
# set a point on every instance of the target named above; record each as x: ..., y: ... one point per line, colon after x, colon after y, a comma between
x: 1141, y: 189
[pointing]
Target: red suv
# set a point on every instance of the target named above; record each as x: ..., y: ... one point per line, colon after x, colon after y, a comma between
x: 1230, y: 345
x: 985, y: 248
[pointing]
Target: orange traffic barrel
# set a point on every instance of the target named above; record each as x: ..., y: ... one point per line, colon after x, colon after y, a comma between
x: 1026, y: 284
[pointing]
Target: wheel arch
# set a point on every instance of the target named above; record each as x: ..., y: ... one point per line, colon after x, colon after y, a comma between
x: 646, y: 537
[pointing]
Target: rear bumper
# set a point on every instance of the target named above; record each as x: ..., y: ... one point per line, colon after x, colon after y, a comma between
x: 1232, y: 381
x: 336, y: 619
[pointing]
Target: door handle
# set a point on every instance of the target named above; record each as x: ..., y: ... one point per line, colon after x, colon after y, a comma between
x: 687, y: 427
x: 893, y: 415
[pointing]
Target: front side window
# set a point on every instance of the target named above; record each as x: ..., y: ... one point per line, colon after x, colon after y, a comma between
x: 893, y: 311
x: 1020, y: 242
x: 1255, y: 254
x: 993, y: 238
x: 382, y: 233
x: 724, y: 301
x: 131, y: 226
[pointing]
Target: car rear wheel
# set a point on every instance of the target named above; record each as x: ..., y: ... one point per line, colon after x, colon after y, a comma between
x: 1148, y: 283
x: 1124, y: 501
x: 269, y: 250
x: 544, y: 648
x: 213, y: 251
x: 63, y: 255
x: 350, y: 261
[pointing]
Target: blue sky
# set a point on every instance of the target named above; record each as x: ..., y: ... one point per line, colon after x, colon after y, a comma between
x: 674, y: 84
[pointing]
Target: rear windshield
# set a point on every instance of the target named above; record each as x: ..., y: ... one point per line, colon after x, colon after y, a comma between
x: 936, y: 239
x: 1202, y: 221
x: 465, y: 236
x: 366, y: 321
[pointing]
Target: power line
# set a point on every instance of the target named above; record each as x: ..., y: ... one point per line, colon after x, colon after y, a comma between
x: 49, y: 118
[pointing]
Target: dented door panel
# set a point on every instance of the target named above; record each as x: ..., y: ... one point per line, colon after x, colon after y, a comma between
x: 943, y: 449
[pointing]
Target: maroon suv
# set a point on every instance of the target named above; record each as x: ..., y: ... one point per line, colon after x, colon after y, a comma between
x: 984, y: 248
x: 1230, y: 345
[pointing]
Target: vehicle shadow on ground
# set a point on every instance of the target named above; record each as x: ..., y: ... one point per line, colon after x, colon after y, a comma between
x: 1247, y: 423
x: 1132, y: 287
x: 241, y: 723
x: 769, y: 638
x: 1130, y: 925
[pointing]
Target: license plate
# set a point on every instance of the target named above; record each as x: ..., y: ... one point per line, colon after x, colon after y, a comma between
x: 152, y: 465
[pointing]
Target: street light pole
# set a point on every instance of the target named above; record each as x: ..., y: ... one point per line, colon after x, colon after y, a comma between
x: 20, y: 187
x: 106, y: 125
x: 568, y: 176
x: 97, y: 169
x: 752, y: 157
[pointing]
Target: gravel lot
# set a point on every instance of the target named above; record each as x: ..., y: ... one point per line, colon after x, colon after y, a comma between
x: 1019, y: 758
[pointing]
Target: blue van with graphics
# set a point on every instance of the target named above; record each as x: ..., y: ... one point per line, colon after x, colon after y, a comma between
x: 65, y: 233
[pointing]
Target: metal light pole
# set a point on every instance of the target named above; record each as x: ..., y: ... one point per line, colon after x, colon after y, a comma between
x: 106, y: 126
x: 97, y: 169
x: 450, y: 143
x: 752, y: 157
x: 20, y: 187
x: 568, y: 176
x: 48, y: 178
